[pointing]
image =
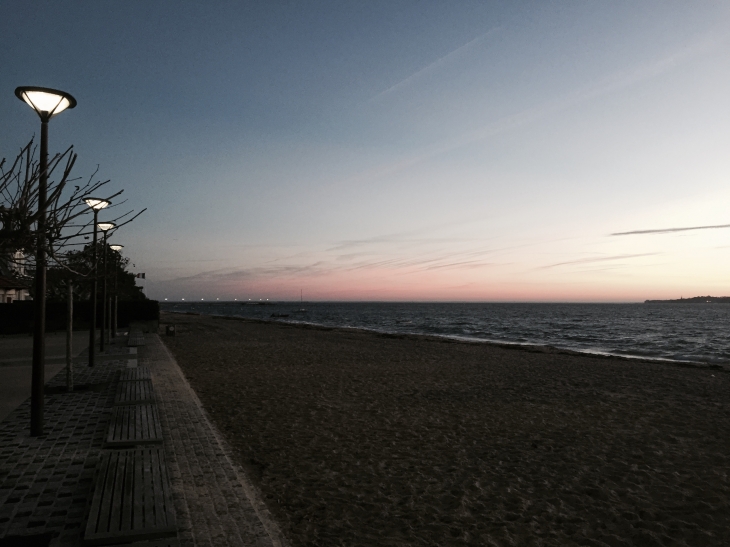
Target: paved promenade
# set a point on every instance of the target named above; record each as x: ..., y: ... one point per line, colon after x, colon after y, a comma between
x: 216, y: 505
x: 16, y: 353
x: 46, y: 483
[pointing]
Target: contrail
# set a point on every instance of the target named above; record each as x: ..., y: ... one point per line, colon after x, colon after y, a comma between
x: 598, y: 259
x: 610, y: 84
x: 438, y: 62
x: 669, y: 230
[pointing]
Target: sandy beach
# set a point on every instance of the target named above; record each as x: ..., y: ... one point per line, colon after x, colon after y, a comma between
x: 357, y: 438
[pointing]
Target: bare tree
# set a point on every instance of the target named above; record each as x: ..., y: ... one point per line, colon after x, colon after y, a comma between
x: 69, y: 219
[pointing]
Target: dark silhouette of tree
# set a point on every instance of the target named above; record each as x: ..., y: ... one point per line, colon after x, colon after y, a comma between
x: 78, y: 268
x: 69, y: 219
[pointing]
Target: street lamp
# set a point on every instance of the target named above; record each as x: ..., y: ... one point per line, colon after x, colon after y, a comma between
x: 118, y: 249
x: 104, y: 227
x: 96, y: 205
x: 47, y: 103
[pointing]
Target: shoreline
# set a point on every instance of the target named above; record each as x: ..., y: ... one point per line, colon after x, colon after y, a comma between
x: 524, y: 346
x: 360, y: 438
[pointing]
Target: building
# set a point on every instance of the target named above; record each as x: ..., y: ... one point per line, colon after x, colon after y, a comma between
x: 12, y: 275
x: 11, y: 290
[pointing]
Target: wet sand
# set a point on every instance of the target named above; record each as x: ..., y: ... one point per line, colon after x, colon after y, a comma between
x: 356, y: 438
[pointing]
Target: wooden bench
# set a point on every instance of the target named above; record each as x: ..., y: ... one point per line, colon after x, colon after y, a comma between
x: 136, y: 373
x: 132, y: 498
x: 136, y: 338
x: 134, y: 425
x: 134, y: 393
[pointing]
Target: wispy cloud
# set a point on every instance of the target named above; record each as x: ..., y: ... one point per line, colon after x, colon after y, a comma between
x: 438, y: 63
x: 671, y: 230
x: 237, y: 274
x: 596, y: 259
x: 379, y: 253
x: 468, y: 264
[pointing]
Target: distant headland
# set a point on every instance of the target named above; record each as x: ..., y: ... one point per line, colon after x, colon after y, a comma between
x: 693, y: 300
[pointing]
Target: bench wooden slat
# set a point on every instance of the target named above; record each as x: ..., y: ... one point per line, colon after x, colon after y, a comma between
x: 140, y: 510
x: 100, y: 505
x: 132, y: 499
x: 162, y: 478
x: 151, y: 501
x: 137, y: 373
x: 126, y: 512
x: 120, y: 489
x: 134, y: 392
x: 140, y: 420
x: 134, y: 425
x: 153, y: 427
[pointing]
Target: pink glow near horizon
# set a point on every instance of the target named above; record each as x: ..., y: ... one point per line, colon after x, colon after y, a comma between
x: 389, y: 285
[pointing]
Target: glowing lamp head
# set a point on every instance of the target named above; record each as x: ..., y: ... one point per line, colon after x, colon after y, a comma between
x: 105, y: 226
x: 45, y: 101
x: 116, y: 247
x: 96, y: 204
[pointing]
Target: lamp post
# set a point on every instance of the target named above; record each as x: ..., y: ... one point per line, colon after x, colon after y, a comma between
x: 47, y: 103
x: 115, y: 315
x: 104, y: 227
x: 96, y: 205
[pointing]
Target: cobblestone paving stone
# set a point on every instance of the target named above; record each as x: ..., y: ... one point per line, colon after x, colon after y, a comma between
x: 46, y: 482
x: 216, y: 504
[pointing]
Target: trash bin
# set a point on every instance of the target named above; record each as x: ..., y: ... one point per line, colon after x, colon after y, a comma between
x: 170, y: 330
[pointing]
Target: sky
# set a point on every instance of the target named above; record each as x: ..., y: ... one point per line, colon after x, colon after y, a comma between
x: 395, y: 150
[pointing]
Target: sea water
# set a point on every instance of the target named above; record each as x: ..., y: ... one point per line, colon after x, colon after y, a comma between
x: 677, y: 332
